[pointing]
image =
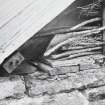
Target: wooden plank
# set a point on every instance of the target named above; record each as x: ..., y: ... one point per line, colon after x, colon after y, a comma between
x: 10, y: 9
x: 22, y: 19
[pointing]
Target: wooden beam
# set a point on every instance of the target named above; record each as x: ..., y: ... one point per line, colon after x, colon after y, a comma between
x: 21, y: 19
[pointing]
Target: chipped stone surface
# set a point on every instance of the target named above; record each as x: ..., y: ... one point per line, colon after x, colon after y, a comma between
x: 65, y: 69
x: 24, y: 101
x: 47, y: 87
x: 95, y: 94
x: 11, y: 87
x: 74, y: 98
x: 65, y: 83
x: 89, y: 78
x: 99, y: 102
x: 85, y: 87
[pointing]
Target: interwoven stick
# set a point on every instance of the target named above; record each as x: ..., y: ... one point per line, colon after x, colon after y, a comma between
x: 64, y: 30
x: 68, y: 53
x: 78, y: 34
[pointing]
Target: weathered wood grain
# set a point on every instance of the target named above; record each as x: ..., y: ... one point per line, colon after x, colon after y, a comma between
x: 20, y: 20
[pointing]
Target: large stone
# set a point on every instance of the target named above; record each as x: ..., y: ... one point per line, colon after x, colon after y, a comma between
x: 39, y: 87
x: 74, y: 98
x: 64, y: 83
x: 98, y: 102
x: 65, y: 69
x: 95, y: 94
x: 24, y: 101
x: 88, y: 78
x: 11, y: 87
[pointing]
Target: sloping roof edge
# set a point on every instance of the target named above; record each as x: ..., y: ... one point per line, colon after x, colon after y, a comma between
x: 26, y: 22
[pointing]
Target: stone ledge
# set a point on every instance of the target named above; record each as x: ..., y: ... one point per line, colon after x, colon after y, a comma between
x: 11, y: 87
x: 99, y: 102
x: 64, y: 83
x: 95, y: 94
x: 74, y: 98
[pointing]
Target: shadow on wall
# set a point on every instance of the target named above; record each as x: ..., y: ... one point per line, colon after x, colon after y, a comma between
x: 69, y: 17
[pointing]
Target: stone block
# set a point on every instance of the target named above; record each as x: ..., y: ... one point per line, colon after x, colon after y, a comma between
x: 24, y: 101
x: 82, y: 80
x: 95, y: 94
x: 73, y: 98
x: 98, y: 102
x: 11, y: 87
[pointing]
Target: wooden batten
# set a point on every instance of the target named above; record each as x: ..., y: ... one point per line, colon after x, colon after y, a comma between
x: 21, y: 19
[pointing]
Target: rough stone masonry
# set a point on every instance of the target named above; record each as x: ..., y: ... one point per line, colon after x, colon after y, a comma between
x: 86, y: 87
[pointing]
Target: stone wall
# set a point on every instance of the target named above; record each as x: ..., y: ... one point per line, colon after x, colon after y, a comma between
x: 86, y: 87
